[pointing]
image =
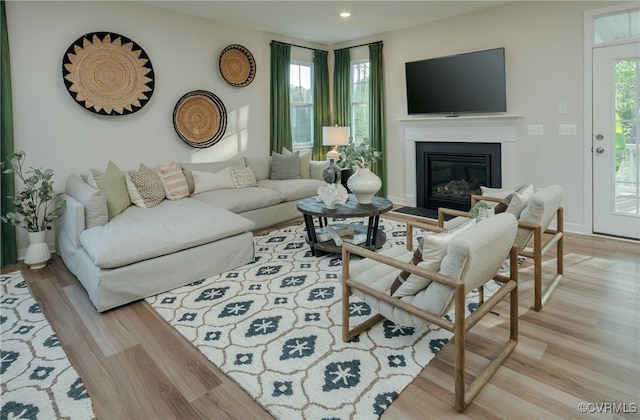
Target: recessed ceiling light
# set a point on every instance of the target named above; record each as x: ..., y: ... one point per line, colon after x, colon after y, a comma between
x: 345, y: 14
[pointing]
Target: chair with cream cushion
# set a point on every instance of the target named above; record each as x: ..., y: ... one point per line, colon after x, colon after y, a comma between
x: 472, y: 258
x: 534, y: 219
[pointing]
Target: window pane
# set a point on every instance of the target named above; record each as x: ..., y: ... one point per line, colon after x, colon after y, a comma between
x: 301, y: 103
x: 360, y: 101
x: 301, y: 126
x: 616, y: 27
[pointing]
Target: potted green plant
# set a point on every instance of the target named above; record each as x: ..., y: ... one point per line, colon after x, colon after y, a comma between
x: 356, y: 155
x: 36, y: 206
x: 364, y: 184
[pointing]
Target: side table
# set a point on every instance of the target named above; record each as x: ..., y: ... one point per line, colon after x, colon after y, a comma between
x: 311, y: 207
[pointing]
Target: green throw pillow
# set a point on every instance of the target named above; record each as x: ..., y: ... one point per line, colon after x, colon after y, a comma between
x: 113, y: 184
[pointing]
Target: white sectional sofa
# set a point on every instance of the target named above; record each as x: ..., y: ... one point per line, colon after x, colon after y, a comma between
x: 145, y: 251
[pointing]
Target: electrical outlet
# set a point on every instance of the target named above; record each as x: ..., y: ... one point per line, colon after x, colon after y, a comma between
x: 535, y: 129
x: 567, y: 130
x: 562, y: 108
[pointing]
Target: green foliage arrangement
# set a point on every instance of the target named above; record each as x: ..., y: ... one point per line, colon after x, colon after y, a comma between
x: 356, y: 155
x: 479, y: 210
x: 36, y: 205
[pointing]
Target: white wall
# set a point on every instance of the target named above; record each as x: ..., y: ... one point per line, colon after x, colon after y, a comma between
x: 544, y: 60
x: 544, y: 54
x: 56, y: 132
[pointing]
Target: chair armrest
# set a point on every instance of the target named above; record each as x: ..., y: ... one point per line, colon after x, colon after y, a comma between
x: 451, y: 212
x: 475, y: 198
x: 383, y: 259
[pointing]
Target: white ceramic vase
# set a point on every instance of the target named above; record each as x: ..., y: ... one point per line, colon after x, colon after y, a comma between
x: 37, y: 254
x: 364, y: 184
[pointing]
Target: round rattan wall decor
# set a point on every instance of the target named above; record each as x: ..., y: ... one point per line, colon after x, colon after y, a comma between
x: 200, y: 118
x: 237, y: 65
x: 108, y: 73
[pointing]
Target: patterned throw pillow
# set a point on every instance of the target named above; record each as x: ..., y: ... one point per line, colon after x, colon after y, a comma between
x: 173, y: 180
x: 285, y: 167
x: 114, y: 186
x: 243, y: 178
x: 304, y: 163
x: 145, y: 187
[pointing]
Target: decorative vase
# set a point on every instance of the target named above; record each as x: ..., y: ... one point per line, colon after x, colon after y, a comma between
x: 331, y: 173
x: 364, y: 184
x: 37, y: 254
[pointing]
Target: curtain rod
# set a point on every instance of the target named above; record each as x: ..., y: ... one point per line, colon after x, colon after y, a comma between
x: 299, y: 46
x: 360, y: 45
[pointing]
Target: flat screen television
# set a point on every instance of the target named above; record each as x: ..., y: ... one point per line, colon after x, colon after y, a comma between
x: 472, y: 82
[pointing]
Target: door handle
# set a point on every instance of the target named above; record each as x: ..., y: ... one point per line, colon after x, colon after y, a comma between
x: 600, y: 150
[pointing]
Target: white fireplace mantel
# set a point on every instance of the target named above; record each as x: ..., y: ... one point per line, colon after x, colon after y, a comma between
x: 503, y: 129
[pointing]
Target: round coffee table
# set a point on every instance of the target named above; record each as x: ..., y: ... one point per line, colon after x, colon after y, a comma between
x: 374, y: 238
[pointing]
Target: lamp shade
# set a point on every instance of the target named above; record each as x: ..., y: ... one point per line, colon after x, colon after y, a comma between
x: 335, y: 136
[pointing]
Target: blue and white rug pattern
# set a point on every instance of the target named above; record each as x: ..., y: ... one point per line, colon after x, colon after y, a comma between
x: 275, y: 327
x: 38, y: 381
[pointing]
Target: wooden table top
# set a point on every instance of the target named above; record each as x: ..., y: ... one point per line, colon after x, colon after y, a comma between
x: 351, y: 208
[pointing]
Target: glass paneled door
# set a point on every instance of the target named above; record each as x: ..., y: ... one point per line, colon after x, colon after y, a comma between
x: 616, y: 148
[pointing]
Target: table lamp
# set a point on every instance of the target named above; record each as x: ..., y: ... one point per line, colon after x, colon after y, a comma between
x: 334, y: 136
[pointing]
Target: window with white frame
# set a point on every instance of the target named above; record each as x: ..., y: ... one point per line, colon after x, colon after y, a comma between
x: 301, y: 103
x: 360, y: 101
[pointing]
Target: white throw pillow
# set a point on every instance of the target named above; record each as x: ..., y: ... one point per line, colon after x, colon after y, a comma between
x: 209, y: 181
x: 434, y: 249
x: 519, y: 201
x: 495, y: 192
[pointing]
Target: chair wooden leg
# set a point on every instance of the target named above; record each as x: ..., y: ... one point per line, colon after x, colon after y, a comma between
x: 537, y: 268
x: 459, y: 334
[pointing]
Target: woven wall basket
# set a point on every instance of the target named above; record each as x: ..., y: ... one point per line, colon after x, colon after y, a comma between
x: 200, y: 118
x: 108, y: 73
x: 237, y: 65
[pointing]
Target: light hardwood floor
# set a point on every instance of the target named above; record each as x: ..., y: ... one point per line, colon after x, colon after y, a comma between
x: 583, y: 347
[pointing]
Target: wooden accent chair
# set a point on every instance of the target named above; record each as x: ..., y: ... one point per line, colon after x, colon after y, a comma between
x: 542, y: 208
x: 473, y: 258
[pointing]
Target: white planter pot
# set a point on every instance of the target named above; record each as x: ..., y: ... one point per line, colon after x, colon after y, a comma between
x: 37, y: 254
x: 364, y: 184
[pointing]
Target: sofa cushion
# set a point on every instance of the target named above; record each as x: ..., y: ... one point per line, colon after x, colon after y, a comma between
x: 92, y: 198
x: 261, y: 166
x: 241, y: 200
x: 145, y: 187
x: 112, y: 183
x: 139, y: 234
x: 285, y: 167
x: 293, y: 189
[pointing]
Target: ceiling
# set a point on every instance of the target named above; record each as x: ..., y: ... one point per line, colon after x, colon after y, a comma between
x: 319, y: 21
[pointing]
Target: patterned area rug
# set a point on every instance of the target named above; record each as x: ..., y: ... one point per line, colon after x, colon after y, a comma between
x: 38, y: 381
x: 274, y: 326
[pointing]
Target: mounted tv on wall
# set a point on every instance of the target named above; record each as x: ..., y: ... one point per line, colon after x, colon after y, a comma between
x: 473, y: 82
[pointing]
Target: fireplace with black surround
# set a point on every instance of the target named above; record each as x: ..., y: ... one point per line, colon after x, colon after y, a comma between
x: 449, y: 172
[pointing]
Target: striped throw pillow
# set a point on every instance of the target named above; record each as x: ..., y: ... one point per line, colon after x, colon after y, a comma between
x: 173, y: 180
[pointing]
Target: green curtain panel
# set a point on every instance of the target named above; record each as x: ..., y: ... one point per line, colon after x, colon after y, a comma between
x: 280, y: 132
x: 8, y: 188
x: 377, y: 129
x: 321, y: 106
x: 341, y: 84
